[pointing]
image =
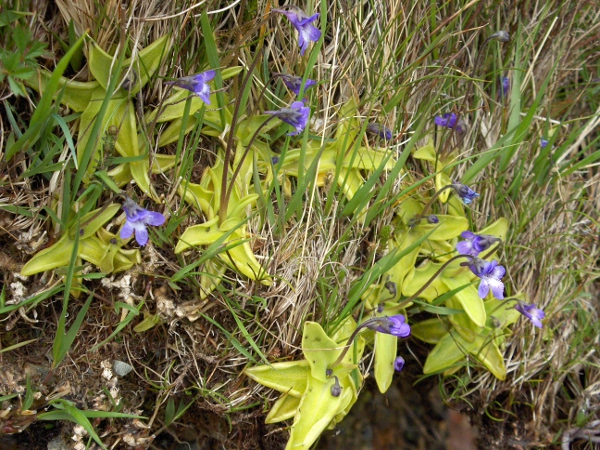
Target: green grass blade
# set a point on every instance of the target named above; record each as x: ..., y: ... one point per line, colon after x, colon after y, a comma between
x: 43, y: 110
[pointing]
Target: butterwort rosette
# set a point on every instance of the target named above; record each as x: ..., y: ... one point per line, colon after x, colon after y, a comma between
x: 450, y: 120
x: 302, y: 22
x: 198, y: 84
x: 294, y: 83
x: 394, y: 325
x: 474, y: 244
x: 535, y: 315
x: 138, y: 219
x: 466, y: 194
x: 296, y: 115
x: 491, y: 274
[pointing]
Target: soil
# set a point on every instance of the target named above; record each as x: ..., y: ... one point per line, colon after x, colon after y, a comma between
x: 411, y: 415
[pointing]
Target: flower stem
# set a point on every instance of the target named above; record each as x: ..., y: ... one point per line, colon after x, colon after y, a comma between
x: 429, y: 203
x: 229, y: 149
x: 372, y: 320
x: 426, y: 285
x: 358, y: 329
x: 241, y: 161
x: 492, y: 250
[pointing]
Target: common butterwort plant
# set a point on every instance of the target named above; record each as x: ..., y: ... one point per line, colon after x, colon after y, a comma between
x: 427, y: 273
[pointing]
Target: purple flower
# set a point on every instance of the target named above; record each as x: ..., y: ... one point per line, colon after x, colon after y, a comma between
x: 137, y: 220
x: 504, y: 87
x: 399, y: 364
x: 543, y: 142
x: 474, y: 243
x: 294, y: 83
x: 296, y: 115
x: 490, y: 274
x: 450, y: 120
x: 380, y: 130
x: 301, y: 22
x: 531, y: 312
x: 394, y: 325
x: 197, y: 84
x: 466, y: 194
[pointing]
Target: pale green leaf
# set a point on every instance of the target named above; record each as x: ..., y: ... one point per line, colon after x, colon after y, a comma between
x: 284, y: 408
x: 386, y: 346
x: 468, y: 297
x: 286, y: 377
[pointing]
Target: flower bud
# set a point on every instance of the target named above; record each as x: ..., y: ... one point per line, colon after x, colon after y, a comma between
x: 336, y: 389
x: 399, y: 364
x: 391, y: 287
x: 502, y: 36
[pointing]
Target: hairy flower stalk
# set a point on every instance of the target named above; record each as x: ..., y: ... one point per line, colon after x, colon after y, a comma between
x: 224, y: 200
x: 426, y: 285
x: 466, y: 194
x: 229, y: 189
x: 500, y: 36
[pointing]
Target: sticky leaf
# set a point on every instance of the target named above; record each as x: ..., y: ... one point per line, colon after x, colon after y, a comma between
x: 286, y: 377
x: 468, y: 298
x: 386, y: 347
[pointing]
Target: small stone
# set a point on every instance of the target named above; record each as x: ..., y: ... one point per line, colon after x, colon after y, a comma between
x: 121, y: 368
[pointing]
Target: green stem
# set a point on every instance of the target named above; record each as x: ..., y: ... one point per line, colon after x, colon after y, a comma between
x: 230, y: 138
x: 426, y: 285
x: 429, y: 203
x: 461, y: 110
x: 493, y: 249
x: 241, y: 161
x: 358, y: 329
x: 368, y: 322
